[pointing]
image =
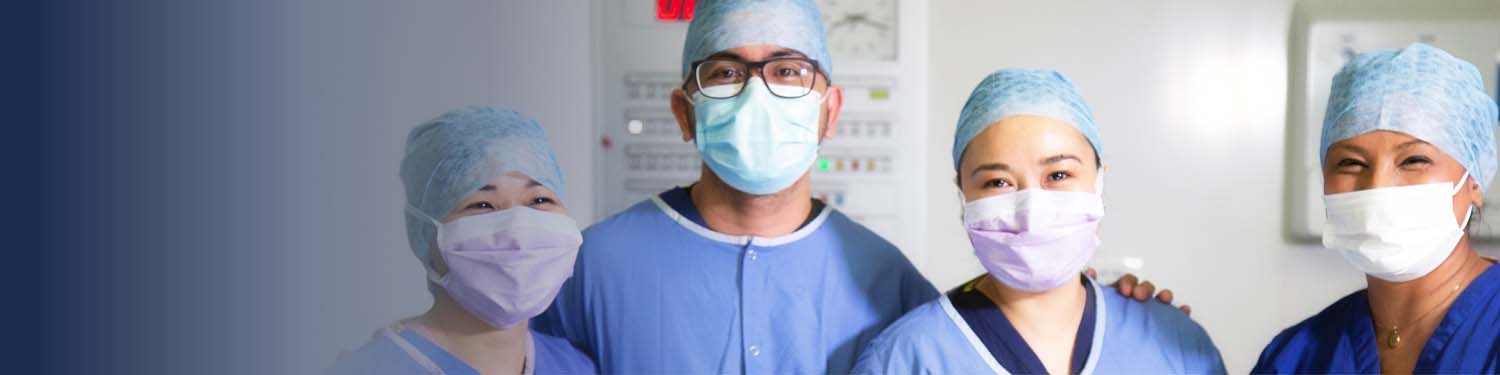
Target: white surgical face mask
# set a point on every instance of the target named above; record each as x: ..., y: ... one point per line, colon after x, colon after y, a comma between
x: 1397, y: 233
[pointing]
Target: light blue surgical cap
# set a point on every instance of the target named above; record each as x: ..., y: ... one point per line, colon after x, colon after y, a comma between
x: 719, y: 25
x: 1012, y: 92
x: 1421, y: 91
x: 455, y: 154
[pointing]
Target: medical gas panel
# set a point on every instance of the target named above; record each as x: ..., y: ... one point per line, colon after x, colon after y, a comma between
x: 872, y: 169
x: 1326, y: 34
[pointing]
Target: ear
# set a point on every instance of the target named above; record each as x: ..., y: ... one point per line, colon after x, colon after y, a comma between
x: 833, y: 102
x: 682, y: 109
x: 1475, y: 193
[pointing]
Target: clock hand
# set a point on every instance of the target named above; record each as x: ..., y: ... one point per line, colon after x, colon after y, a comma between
x: 841, y: 23
x: 879, y: 25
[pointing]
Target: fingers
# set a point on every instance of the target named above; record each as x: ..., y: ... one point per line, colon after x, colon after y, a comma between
x: 1143, y: 292
x: 1092, y: 274
x: 1165, y: 296
x: 1186, y: 309
x: 1126, y: 284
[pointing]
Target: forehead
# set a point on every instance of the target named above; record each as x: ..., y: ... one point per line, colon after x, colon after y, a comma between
x: 1379, y: 137
x: 1028, y: 136
x: 511, y: 181
x: 757, y: 52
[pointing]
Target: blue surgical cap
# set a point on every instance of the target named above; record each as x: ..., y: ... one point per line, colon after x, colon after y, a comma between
x: 1420, y: 91
x: 719, y: 25
x: 1013, y: 92
x: 455, y: 154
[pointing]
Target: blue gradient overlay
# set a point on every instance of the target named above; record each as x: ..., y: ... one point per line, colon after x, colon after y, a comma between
x: 218, y: 178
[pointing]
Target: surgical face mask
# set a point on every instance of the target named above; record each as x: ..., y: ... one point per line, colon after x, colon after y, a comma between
x: 1035, y: 240
x: 505, y: 266
x: 757, y: 142
x: 1396, y: 233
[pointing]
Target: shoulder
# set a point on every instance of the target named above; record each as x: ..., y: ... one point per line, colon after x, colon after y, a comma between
x: 905, y: 345
x: 1162, y: 317
x: 378, y: 356
x: 1153, y: 325
x: 556, y: 356
x: 625, y: 223
x: 917, y: 325
x: 1292, y: 343
x: 848, y: 228
x: 864, y: 245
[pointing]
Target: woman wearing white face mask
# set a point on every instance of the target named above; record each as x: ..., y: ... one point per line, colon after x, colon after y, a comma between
x: 1027, y: 157
x: 484, y: 216
x: 1408, y: 150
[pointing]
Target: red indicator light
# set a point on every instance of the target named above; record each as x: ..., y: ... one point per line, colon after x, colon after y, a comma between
x: 675, y: 10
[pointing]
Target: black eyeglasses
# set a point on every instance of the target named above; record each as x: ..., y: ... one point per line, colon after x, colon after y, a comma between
x: 785, y: 77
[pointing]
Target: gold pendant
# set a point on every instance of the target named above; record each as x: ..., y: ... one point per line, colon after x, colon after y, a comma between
x: 1394, y: 339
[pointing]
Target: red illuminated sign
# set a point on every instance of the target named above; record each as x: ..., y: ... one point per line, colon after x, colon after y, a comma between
x: 674, y: 10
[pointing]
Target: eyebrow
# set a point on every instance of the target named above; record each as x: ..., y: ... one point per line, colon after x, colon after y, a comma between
x: 1410, y: 143
x: 989, y: 167
x: 1350, y: 148
x: 781, y: 52
x: 1061, y: 157
x: 529, y: 184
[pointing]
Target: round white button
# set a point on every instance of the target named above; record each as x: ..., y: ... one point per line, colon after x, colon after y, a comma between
x: 754, y: 351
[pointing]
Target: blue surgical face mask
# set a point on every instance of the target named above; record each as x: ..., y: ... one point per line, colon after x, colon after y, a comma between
x: 757, y: 142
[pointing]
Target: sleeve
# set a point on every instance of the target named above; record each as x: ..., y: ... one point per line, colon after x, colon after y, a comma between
x: 915, y: 289
x: 1267, y: 363
x: 566, y: 317
x: 882, y: 356
x: 1209, y: 359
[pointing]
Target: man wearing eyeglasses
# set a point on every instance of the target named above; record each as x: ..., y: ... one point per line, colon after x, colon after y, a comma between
x: 742, y: 271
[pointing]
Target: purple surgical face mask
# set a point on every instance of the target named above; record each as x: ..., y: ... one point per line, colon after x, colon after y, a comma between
x: 505, y: 266
x: 1035, y: 240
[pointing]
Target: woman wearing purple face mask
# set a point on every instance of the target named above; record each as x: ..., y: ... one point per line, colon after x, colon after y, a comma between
x: 1027, y: 157
x: 485, y: 218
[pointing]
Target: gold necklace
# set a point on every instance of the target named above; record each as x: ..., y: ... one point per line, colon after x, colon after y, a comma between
x: 1393, y: 339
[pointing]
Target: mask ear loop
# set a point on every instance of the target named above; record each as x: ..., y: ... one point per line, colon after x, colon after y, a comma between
x: 1469, y: 214
x: 437, y: 227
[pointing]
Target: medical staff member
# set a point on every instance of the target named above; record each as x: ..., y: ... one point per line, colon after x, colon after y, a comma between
x: 1408, y: 151
x: 484, y: 215
x: 742, y: 271
x: 1027, y: 157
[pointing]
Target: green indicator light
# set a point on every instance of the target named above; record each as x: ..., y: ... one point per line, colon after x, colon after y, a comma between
x: 822, y: 164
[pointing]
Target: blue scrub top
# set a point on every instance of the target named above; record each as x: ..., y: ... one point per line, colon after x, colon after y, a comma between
x: 1005, y: 343
x: 1341, y: 338
x: 385, y: 356
x: 1129, y: 337
x: 654, y: 292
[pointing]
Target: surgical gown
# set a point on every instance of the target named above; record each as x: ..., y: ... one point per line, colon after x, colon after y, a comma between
x: 398, y: 350
x: 1341, y: 338
x: 655, y: 292
x: 1129, y: 337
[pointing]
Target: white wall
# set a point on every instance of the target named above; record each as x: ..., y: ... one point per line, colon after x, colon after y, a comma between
x: 1190, y: 97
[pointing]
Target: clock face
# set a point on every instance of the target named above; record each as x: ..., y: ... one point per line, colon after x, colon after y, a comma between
x: 861, y: 29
